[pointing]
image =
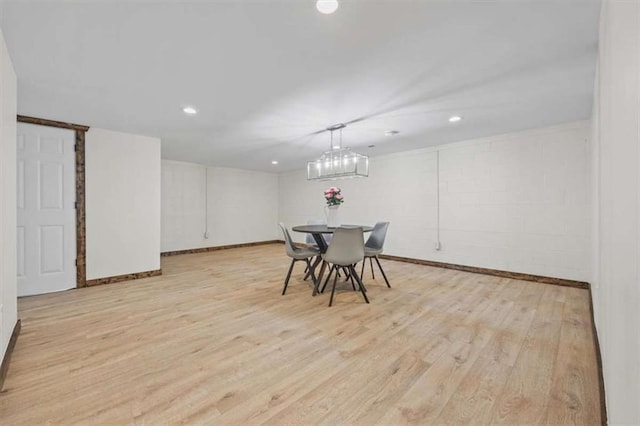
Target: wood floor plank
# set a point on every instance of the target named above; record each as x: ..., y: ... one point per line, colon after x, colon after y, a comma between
x: 212, y: 341
x: 525, y: 396
x: 478, y: 391
x: 569, y: 401
x: 466, y: 341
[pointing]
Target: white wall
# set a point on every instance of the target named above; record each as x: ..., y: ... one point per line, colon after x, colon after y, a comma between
x: 616, y: 184
x: 242, y: 206
x: 516, y: 202
x: 123, y: 203
x: 8, y: 290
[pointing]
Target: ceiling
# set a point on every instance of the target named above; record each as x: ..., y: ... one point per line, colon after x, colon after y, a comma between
x: 267, y: 76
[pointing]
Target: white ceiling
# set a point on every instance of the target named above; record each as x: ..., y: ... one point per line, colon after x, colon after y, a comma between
x: 267, y: 75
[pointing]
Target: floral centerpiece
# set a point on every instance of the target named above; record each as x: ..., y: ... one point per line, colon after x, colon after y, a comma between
x: 333, y: 196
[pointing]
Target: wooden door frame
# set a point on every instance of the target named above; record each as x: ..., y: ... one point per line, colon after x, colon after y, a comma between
x: 81, y: 222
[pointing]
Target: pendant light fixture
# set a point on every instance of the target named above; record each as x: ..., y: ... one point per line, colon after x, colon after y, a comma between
x: 338, y: 162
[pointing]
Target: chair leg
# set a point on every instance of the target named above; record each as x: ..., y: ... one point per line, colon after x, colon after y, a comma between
x: 362, y: 290
x: 328, y: 277
x: 306, y: 271
x: 382, y: 270
x: 364, y: 262
x: 364, y: 287
x: 346, y: 273
x: 371, y: 264
x: 286, y: 281
x: 313, y: 275
x: 354, y: 270
x: 320, y: 276
x: 333, y: 289
x: 353, y: 286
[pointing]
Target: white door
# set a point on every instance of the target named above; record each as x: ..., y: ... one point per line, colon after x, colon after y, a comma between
x: 46, y: 209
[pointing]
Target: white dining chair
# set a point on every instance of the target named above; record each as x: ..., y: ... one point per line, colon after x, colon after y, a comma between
x: 373, y: 247
x: 297, y: 254
x: 346, y: 249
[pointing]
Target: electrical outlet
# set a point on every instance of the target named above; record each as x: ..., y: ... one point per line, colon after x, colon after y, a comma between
x: 437, y: 246
x: 206, y: 235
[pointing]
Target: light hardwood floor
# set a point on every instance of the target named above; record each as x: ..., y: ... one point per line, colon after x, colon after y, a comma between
x: 212, y: 341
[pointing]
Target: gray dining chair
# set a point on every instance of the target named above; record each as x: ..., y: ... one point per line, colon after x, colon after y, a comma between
x: 373, y: 247
x: 346, y: 249
x: 297, y: 254
x: 311, y: 241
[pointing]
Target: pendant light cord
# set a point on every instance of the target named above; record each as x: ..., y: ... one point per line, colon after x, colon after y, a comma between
x: 438, y: 243
x: 206, y: 202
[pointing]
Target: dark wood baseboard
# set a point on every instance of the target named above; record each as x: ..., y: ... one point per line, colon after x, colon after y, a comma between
x: 473, y: 269
x: 494, y: 272
x: 207, y: 249
x: 126, y: 277
x: 596, y: 343
x: 6, y: 360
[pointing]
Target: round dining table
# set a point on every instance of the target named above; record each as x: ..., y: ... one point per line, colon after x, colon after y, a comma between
x: 317, y: 231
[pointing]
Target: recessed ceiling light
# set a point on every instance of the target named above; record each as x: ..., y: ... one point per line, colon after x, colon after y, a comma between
x: 327, y: 6
x: 274, y: 162
x: 336, y: 147
x: 454, y: 119
x: 391, y: 132
x: 189, y: 110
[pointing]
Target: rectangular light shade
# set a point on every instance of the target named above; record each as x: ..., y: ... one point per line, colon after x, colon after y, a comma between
x: 338, y: 164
